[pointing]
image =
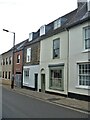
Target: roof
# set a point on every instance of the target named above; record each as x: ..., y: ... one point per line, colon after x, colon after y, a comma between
x: 20, y: 45
x: 81, y: 16
x: 53, y: 31
x: 73, y: 18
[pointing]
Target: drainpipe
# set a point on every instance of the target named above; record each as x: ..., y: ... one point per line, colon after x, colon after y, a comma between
x: 67, y: 62
x: 22, y: 66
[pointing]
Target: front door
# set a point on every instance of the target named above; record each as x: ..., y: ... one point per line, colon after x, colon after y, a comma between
x: 42, y: 82
x: 36, y: 82
x: 18, y: 77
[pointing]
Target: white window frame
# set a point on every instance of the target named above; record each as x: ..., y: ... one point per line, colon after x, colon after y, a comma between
x: 61, y: 87
x: 84, y: 29
x: 18, y: 58
x: 42, y: 30
x: 26, y: 78
x: 83, y: 75
x: 54, y: 57
x: 57, y: 23
x: 28, y: 55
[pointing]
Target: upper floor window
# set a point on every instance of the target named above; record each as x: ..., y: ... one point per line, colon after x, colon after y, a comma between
x: 84, y: 74
x: 56, y: 48
x: 28, y: 55
x: 42, y: 30
x: 87, y: 38
x: 3, y: 61
x: 9, y: 60
x: 6, y: 61
x: 18, y: 58
x: 57, y: 23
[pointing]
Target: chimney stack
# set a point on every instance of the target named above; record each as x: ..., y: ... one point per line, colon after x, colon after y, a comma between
x: 88, y: 5
x: 80, y: 3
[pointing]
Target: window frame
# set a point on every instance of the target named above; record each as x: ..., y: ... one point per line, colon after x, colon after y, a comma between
x: 57, y: 23
x: 83, y: 75
x: 6, y: 61
x: 10, y: 60
x: 28, y: 55
x: 3, y: 61
x: 54, y: 57
x: 18, y: 59
x: 86, y: 39
x: 60, y: 88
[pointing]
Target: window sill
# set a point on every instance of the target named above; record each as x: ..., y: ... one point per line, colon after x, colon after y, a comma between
x: 83, y: 87
x: 55, y: 88
x: 18, y: 63
x: 85, y: 51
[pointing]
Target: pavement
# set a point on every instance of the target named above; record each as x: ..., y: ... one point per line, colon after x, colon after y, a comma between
x: 55, y: 99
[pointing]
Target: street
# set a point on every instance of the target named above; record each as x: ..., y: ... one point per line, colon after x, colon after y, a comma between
x: 16, y: 105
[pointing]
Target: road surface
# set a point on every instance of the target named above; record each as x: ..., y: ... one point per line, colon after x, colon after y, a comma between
x: 16, y: 105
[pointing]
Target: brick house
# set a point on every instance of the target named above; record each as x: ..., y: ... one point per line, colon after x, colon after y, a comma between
x: 18, y: 63
x: 7, y: 66
x: 31, y: 61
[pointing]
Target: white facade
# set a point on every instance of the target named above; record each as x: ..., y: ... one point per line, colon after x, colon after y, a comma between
x: 47, y: 62
x: 29, y: 76
x: 78, y: 55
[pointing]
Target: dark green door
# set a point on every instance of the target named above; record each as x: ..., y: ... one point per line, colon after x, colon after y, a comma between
x: 42, y: 82
x: 36, y: 82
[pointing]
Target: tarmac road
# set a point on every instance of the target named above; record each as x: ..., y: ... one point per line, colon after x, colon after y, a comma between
x: 16, y: 105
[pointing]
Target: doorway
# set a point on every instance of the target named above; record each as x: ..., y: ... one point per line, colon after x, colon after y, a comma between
x: 42, y: 82
x: 36, y: 82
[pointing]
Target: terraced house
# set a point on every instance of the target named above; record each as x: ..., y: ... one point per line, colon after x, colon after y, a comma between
x: 79, y: 53
x: 18, y: 62
x: 7, y: 66
x: 64, y: 54
x: 31, y: 61
x: 54, y: 56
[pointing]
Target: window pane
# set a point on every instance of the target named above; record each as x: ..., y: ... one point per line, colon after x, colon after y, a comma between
x: 56, y: 44
x: 56, y: 48
x: 84, y: 76
x: 86, y: 33
x: 89, y: 32
x: 87, y: 38
x: 56, y: 78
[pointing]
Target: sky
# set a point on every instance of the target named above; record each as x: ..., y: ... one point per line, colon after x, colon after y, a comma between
x: 26, y: 16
